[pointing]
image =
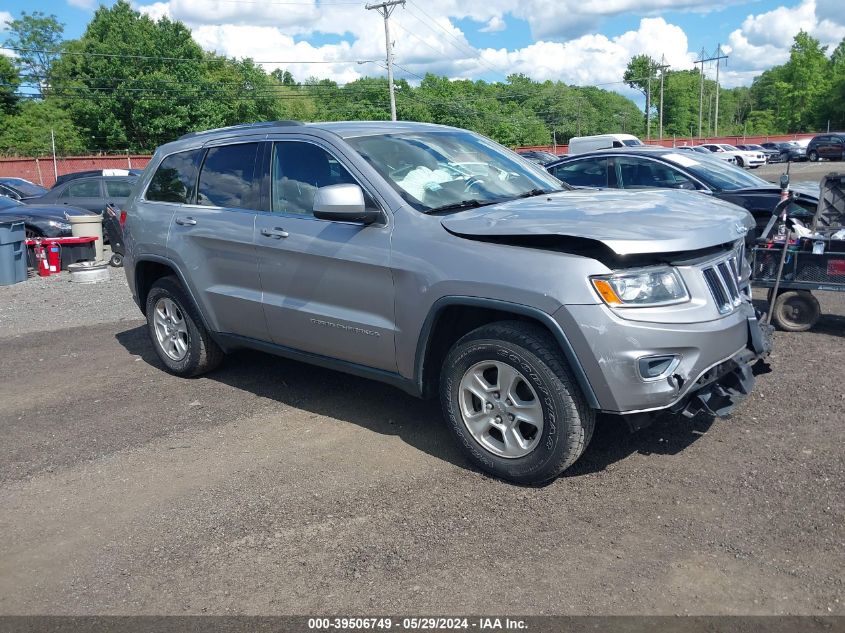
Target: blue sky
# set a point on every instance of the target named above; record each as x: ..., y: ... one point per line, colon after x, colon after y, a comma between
x: 577, y: 41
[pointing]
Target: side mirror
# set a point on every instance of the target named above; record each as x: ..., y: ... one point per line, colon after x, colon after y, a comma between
x: 343, y: 203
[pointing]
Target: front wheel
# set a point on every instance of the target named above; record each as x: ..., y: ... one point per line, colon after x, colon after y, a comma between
x: 740, y: 162
x: 177, y: 331
x: 511, y: 401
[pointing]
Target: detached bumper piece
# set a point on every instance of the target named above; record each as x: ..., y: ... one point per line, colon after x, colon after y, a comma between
x: 722, y: 388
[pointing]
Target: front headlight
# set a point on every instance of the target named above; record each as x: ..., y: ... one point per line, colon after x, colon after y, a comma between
x: 57, y: 224
x: 641, y: 288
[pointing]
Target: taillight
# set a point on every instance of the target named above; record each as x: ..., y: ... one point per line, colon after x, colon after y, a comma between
x: 122, y: 218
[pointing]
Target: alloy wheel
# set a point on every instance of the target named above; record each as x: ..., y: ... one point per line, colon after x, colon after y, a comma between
x: 170, y: 329
x: 500, y: 409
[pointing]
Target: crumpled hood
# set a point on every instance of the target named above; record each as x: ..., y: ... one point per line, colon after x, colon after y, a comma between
x: 627, y: 222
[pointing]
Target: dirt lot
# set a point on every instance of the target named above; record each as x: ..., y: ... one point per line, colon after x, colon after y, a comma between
x: 799, y: 172
x: 272, y: 487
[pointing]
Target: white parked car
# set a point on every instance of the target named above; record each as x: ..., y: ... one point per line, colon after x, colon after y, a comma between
x: 728, y: 158
x: 744, y: 158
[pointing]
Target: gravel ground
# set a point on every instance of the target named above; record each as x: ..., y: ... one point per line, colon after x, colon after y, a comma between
x: 799, y: 172
x: 273, y: 487
x: 53, y: 303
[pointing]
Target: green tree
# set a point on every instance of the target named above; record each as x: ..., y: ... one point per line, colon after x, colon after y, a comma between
x: 641, y: 74
x: 36, y: 38
x: 133, y: 82
x: 9, y: 82
x: 27, y: 133
x: 806, y: 73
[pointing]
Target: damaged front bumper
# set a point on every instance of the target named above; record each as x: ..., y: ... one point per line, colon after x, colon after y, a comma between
x: 718, y: 391
x: 715, y: 370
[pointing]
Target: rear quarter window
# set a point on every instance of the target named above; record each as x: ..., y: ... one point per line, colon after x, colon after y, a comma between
x: 175, y: 178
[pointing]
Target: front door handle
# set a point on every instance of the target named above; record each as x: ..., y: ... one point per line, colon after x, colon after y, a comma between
x: 277, y: 233
x: 186, y: 221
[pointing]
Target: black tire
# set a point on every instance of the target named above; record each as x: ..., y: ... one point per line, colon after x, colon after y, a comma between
x: 116, y: 260
x: 203, y: 354
x: 739, y: 162
x: 813, y: 156
x: 568, y: 421
x: 795, y: 311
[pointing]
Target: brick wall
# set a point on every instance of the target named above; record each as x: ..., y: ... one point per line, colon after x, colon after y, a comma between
x: 40, y: 170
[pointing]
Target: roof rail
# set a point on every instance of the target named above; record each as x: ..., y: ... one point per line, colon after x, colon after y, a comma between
x: 242, y: 126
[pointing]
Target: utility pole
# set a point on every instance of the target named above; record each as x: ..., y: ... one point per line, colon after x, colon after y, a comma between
x: 648, y: 105
x: 719, y: 56
x: 53, y: 143
x: 700, y: 92
x: 703, y: 60
x: 385, y: 9
x: 663, y: 66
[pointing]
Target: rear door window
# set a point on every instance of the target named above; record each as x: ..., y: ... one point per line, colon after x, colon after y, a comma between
x: 227, y: 177
x: 118, y: 188
x: 83, y: 189
x: 175, y: 178
x: 591, y: 172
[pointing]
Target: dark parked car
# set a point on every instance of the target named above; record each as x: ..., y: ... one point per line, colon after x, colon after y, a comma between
x: 41, y: 220
x: 666, y: 168
x: 96, y: 172
x: 772, y: 155
x: 787, y: 151
x: 830, y: 146
x: 92, y: 193
x: 18, y: 188
x: 537, y: 156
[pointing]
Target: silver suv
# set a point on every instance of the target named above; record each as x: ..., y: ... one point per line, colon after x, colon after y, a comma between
x: 434, y: 259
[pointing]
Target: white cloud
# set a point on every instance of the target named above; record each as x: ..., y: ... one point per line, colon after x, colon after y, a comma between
x: 427, y: 38
x: 596, y: 59
x: 571, y: 18
x: 763, y: 40
x: 82, y: 4
x: 494, y: 25
x: 5, y: 18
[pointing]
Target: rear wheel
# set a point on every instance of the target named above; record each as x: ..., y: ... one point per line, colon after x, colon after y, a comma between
x: 511, y: 401
x: 116, y: 260
x: 813, y: 155
x: 177, y: 331
x: 795, y: 310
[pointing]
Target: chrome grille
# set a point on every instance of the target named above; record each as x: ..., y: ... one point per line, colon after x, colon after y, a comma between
x: 722, y: 278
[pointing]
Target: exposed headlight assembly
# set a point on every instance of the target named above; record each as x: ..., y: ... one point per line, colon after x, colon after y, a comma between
x: 641, y: 288
x: 57, y: 224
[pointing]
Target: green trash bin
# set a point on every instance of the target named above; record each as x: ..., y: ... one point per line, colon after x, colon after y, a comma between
x: 12, y: 251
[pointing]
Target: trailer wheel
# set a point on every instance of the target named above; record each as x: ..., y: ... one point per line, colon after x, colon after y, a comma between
x: 795, y: 310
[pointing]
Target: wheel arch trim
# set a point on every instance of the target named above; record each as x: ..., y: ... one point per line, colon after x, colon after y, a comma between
x: 424, y: 340
x: 159, y: 259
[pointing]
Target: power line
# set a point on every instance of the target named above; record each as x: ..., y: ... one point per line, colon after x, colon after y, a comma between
x: 180, y: 59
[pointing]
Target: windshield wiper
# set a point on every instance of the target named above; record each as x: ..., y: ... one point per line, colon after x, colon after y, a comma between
x: 463, y: 204
x: 535, y: 192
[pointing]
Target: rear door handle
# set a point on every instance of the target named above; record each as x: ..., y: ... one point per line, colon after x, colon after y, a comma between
x: 277, y: 233
x: 186, y: 221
